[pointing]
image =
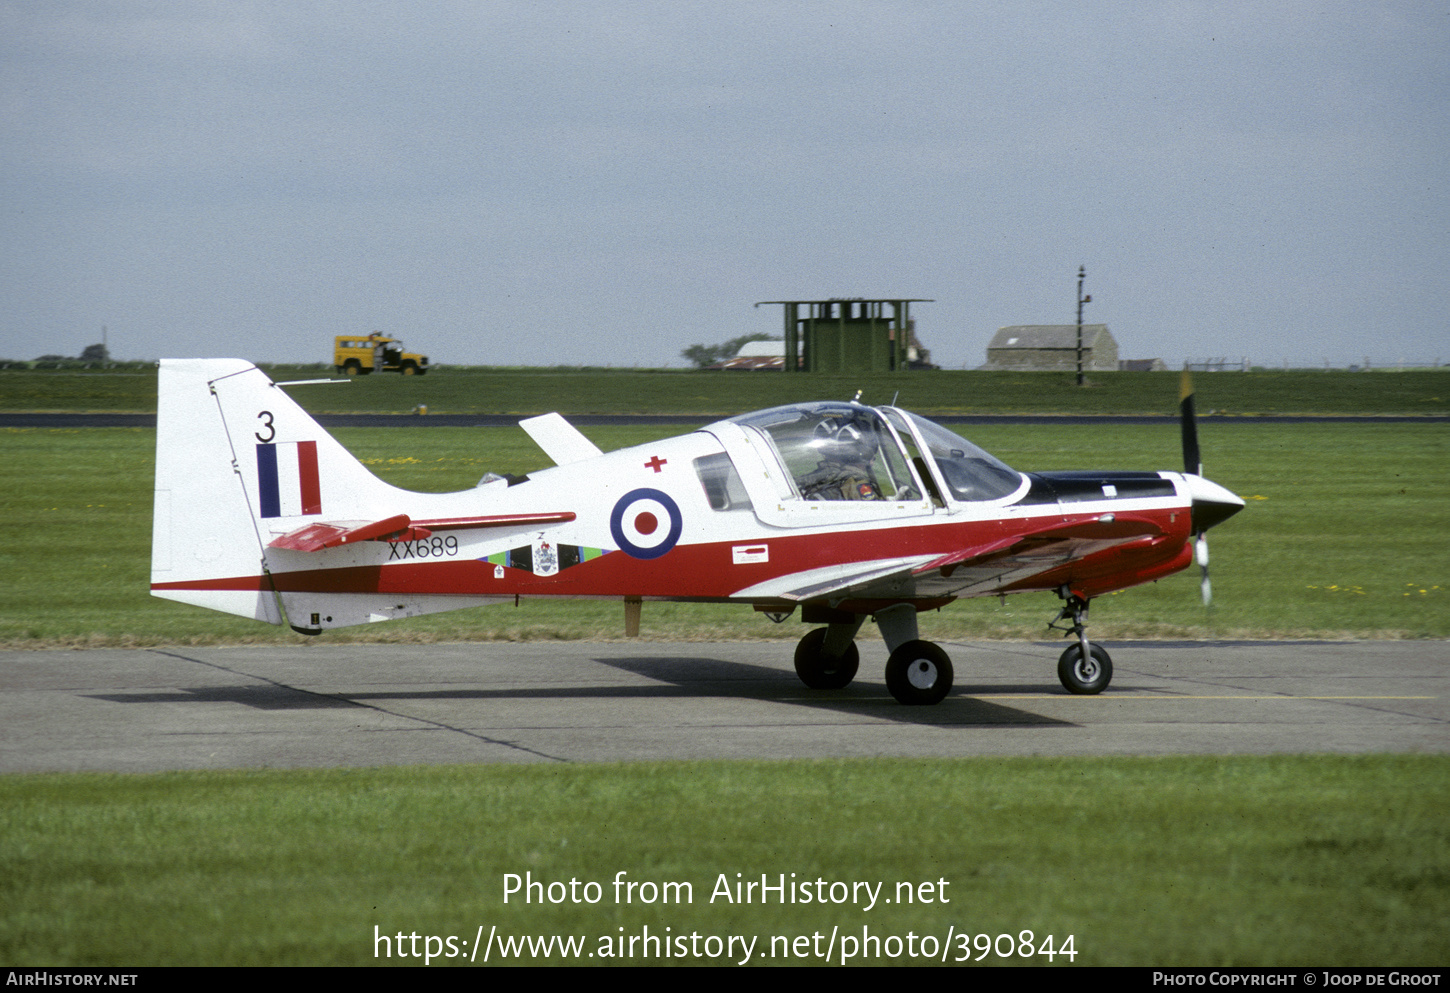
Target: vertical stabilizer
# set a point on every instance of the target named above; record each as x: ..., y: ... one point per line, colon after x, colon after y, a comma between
x: 203, y: 539
x: 238, y: 463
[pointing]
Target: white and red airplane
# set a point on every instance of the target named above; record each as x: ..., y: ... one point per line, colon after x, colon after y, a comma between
x: 841, y: 510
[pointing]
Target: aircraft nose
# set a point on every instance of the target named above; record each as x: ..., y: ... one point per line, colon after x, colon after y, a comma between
x: 1212, y: 504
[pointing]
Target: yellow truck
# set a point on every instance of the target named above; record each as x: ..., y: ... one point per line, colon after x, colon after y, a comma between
x: 354, y: 356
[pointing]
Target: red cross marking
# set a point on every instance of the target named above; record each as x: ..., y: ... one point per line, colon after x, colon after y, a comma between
x: 656, y: 462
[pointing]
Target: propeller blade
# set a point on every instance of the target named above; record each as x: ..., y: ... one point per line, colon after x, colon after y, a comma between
x: 1192, y: 462
x: 1201, y: 552
x: 1211, y: 502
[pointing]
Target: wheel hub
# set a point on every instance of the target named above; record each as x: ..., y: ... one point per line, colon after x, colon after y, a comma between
x: 921, y: 674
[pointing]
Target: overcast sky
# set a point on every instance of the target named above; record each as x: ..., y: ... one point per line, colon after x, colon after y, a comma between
x: 549, y: 183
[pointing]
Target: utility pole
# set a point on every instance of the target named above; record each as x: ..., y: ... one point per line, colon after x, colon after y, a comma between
x: 1081, y: 275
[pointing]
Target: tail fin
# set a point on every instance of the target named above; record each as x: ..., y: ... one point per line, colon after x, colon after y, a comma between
x: 238, y: 462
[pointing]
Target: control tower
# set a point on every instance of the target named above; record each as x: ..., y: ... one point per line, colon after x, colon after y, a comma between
x: 848, y: 334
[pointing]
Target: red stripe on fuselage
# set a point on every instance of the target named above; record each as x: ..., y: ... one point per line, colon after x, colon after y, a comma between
x: 707, y: 571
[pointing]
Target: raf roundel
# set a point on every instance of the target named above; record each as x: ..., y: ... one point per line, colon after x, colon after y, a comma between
x: 646, y: 523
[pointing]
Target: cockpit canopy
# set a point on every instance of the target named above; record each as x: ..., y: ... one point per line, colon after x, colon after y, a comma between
x: 970, y: 472
x: 846, y: 451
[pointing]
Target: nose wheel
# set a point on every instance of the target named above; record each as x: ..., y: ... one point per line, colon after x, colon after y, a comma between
x: 1085, y: 668
x: 1085, y: 675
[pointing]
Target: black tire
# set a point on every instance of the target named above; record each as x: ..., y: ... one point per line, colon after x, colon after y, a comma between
x: 1085, y: 679
x: 352, y: 367
x: 408, y: 369
x: 919, y: 673
x: 818, y: 670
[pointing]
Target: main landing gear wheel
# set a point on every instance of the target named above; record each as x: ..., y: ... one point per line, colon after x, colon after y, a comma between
x: 820, y: 671
x: 1085, y: 676
x: 919, y: 673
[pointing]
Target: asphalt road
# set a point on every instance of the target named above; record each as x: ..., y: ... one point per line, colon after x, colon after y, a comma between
x: 370, y: 705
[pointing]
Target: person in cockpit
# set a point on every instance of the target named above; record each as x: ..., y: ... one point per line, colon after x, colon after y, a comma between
x: 847, y: 449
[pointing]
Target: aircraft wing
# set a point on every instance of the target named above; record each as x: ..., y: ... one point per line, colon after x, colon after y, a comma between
x: 837, y: 580
x: 1109, y: 527
x: 1014, y: 558
x: 1002, y: 560
x: 400, y: 527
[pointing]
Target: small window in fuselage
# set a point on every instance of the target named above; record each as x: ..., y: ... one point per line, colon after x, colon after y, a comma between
x: 722, y: 483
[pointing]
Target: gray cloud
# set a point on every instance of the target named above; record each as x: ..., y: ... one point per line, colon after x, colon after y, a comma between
x: 571, y: 182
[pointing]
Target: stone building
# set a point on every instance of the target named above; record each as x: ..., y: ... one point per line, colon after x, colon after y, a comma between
x: 1052, y: 348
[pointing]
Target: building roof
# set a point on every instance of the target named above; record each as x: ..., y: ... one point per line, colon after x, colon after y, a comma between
x: 760, y: 303
x: 1047, y: 336
x: 761, y: 349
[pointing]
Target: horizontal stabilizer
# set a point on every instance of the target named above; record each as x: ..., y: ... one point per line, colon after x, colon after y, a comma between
x: 316, y: 537
x: 559, y: 439
x: 496, y: 521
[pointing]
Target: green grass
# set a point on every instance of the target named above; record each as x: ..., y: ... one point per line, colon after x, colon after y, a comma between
x: 1308, y: 860
x: 1342, y: 536
x: 707, y: 394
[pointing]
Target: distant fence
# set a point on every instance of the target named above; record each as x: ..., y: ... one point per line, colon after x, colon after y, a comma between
x: 23, y: 364
x: 1367, y: 364
x: 1217, y: 365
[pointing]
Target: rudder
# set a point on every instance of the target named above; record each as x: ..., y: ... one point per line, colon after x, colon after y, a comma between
x: 238, y: 462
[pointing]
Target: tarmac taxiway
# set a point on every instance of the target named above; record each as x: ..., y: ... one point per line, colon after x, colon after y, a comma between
x: 369, y: 705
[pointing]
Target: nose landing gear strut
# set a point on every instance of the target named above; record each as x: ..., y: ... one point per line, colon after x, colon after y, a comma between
x: 1084, y: 668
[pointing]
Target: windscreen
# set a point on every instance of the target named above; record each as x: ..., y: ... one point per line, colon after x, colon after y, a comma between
x: 970, y: 473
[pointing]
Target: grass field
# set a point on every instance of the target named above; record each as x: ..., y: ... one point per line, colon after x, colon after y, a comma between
x: 706, y: 394
x: 1287, y: 860
x: 1342, y: 535
x: 1324, y: 861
